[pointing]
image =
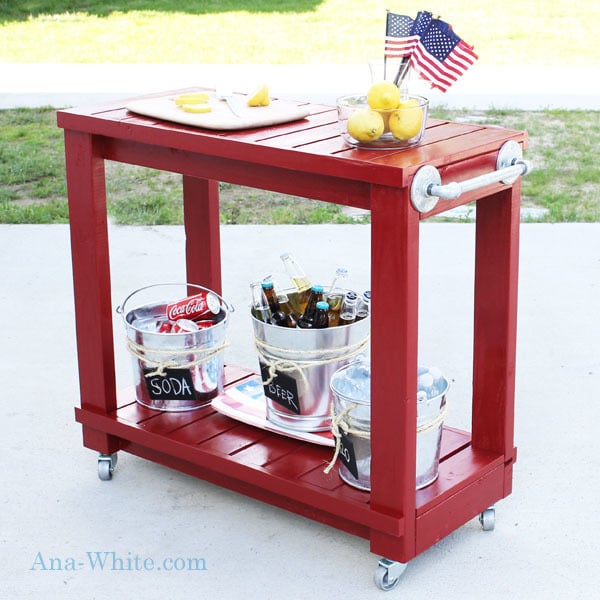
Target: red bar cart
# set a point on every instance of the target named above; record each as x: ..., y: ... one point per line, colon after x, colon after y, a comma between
x: 308, y: 158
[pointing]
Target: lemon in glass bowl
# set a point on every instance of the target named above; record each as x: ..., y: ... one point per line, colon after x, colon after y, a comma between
x: 365, y: 125
x: 398, y: 127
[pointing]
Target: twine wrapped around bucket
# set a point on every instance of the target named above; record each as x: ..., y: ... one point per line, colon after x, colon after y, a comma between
x: 171, y: 355
x: 286, y: 365
x: 338, y: 422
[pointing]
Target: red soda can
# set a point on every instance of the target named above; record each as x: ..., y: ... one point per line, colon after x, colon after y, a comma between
x: 204, y: 324
x: 164, y: 326
x: 199, y: 306
x: 184, y: 326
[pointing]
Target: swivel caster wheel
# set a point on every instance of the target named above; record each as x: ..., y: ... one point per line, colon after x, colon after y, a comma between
x: 387, y: 574
x: 488, y: 519
x: 106, y: 466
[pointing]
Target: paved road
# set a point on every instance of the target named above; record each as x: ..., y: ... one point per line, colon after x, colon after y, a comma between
x: 54, y: 507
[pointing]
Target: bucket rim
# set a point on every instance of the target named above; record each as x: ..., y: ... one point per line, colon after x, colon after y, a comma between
x: 341, y: 370
x: 362, y: 401
x: 228, y: 307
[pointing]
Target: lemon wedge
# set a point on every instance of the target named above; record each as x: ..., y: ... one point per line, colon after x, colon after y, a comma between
x: 195, y: 98
x: 260, y: 97
x: 196, y: 108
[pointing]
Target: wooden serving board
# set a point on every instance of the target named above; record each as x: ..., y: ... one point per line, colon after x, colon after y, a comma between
x: 221, y: 117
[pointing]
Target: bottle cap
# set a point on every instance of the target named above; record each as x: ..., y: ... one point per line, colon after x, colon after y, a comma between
x: 351, y: 295
x: 322, y: 305
x: 317, y: 288
x: 266, y: 284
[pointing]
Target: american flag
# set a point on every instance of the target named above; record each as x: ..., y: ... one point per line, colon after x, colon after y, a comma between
x: 441, y: 56
x: 402, y: 33
x: 398, y: 39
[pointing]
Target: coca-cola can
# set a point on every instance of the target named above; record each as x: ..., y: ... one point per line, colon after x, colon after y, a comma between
x: 204, y: 324
x: 164, y: 326
x: 199, y: 306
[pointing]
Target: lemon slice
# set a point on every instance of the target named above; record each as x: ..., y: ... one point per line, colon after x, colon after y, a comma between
x: 260, y: 97
x: 195, y: 98
x: 196, y: 108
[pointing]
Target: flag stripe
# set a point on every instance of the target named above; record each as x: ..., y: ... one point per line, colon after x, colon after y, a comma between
x: 466, y: 52
x: 395, y: 47
x: 431, y: 69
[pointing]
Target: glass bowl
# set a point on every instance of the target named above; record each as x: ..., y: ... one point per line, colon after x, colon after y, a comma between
x: 402, y: 127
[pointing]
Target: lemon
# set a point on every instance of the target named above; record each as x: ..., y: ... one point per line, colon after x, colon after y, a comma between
x: 405, y: 123
x: 385, y: 115
x: 195, y: 98
x: 365, y: 125
x: 383, y: 94
x: 260, y: 97
x: 196, y: 108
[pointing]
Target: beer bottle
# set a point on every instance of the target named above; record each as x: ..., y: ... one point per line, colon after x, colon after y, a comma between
x: 340, y: 273
x: 260, y: 308
x: 322, y: 315
x: 300, y: 281
x: 335, y: 296
x: 348, y: 310
x: 307, y: 320
x: 286, y: 306
x: 278, y: 317
x: 364, y: 306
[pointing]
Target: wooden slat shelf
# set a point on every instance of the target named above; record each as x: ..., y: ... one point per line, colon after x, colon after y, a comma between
x: 205, y: 437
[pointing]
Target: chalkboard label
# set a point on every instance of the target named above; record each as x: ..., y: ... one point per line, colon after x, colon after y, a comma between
x: 175, y: 384
x: 347, y: 455
x: 283, y: 389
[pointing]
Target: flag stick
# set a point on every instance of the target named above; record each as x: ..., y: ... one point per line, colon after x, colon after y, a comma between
x: 402, y: 70
x: 387, y: 10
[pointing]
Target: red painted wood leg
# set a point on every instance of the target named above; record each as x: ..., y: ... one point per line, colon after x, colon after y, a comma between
x: 202, y: 231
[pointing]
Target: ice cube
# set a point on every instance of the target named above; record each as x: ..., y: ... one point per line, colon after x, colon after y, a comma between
x: 425, y: 381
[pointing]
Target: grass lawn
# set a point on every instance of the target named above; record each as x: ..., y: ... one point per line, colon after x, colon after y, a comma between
x: 284, y: 31
x: 563, y: 146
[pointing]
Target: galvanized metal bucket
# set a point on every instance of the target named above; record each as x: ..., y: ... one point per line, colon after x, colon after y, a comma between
x: 173, y: 371
x: 352, y: 427
x: 297, y: 365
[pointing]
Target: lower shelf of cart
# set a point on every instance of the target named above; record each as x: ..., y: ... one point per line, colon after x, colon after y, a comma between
x: 290, y: 473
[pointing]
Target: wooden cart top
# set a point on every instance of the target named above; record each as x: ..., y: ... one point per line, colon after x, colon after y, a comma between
x: 311, y: 146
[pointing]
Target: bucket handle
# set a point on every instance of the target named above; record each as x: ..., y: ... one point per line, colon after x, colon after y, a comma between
x: 121, y: 308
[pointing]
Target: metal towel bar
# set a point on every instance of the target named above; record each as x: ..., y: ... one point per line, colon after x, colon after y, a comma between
x: 427, y: 188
